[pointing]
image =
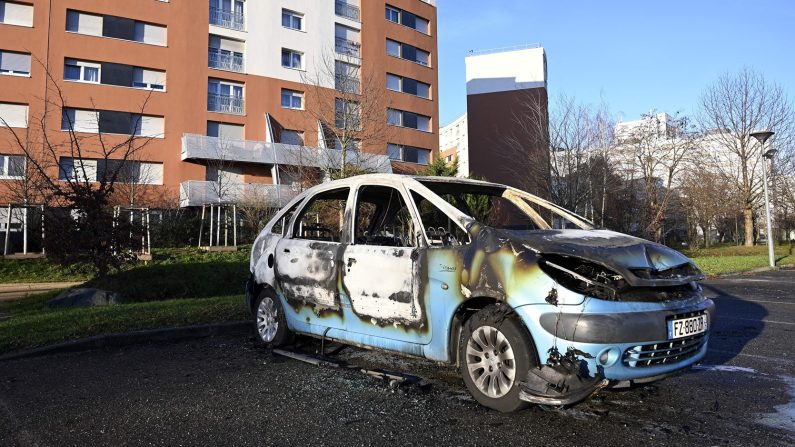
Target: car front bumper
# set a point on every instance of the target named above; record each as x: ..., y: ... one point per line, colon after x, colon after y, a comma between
x: 625, y: 341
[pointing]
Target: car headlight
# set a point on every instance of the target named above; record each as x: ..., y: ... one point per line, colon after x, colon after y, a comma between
x: 582, y: 276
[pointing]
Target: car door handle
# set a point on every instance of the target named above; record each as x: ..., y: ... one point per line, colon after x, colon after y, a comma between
x: 287, y: 250
x: 351, y: 261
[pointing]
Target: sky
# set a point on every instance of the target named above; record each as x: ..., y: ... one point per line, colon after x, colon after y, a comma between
x: 636, y: 56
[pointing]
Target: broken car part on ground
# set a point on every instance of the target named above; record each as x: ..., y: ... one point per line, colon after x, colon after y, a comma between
x: 532, y: 302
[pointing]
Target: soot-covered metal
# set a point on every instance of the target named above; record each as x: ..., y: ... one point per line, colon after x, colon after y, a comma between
x: 601, y: 293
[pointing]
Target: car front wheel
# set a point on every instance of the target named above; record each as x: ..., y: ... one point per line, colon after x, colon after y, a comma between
x: 495, y: 353
x: 270, y: 322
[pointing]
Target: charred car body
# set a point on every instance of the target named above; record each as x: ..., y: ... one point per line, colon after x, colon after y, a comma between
x: 532, y: 302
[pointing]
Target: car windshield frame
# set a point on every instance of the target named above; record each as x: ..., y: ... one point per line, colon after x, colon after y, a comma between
x: 521, y: 199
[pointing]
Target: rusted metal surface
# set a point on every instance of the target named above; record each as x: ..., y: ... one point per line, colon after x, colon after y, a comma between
x: 407, y: 299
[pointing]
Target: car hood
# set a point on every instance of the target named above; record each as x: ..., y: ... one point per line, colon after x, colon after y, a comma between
x: 629, y: 256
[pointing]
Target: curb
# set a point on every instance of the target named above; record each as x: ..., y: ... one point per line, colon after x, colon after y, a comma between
x: 755, y: 270
x: 136, y: 337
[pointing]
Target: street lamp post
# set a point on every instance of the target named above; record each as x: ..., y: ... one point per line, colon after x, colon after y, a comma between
x: 762, y: 137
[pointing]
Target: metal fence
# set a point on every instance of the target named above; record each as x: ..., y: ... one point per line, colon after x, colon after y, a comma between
x: 347, y: 47
x: 231, y: 62
x: 344, y: 9
x: 225, y: 104
x: 227, y: 19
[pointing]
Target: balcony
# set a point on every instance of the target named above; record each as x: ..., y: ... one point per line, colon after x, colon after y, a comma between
x: 227, y: 19
x: 344, y: 9
x: 221, y: 61
x: 200, y: 147
x: 225, y: 104
x: 347, y: 47
x: 200, y: 192
x: 347, y: 84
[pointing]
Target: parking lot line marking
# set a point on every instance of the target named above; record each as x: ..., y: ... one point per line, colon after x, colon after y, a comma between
x: 754, y: 319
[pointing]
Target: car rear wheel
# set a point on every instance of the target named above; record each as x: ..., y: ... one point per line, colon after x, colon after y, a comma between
x: 495, y: 352
x: 270, y: 322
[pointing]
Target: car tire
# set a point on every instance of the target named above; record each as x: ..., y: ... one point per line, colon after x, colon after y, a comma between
x: 270, y: 322
x: 493, y: 379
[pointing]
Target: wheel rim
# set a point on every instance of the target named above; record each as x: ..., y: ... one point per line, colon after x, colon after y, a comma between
x: 490, y: 361
x: 267, y: 319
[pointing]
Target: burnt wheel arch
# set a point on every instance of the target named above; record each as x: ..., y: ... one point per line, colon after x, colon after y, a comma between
x: 468, y: 308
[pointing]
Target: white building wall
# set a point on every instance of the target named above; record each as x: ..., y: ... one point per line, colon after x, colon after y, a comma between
x: 502, y: 71
x: 456, y: 135
x: 265, y: 37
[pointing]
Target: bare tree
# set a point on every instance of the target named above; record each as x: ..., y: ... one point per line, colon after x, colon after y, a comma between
x: 736, y: 105
x: 79, y: 171
x: 704, y: 197
x: 658, y: 147
x: 350, y: 104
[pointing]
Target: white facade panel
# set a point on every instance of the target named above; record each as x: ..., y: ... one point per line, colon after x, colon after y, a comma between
x: 14, y: 115
x: 266, y: 37
x: 506, y: 71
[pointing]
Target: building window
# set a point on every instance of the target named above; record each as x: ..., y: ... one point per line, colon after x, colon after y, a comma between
x: 77, y: 169
x: 13, y: 115
x: 228, y: 14
x: 115, y: 27
x: 112, y: 122
x: 149, y: 79
x: 347, y: 114
x: 392, y: 14
x: 12, y: 167
x: 411, y: 120
x: 225, y: 131
x: 295, y: 137
x: 16, y: 14
x: 292, y: 99
x: 347, y: 40
x: 226, y: 54
x: 408, y: 52
x: 408, y: 85
x: 225, y: 97
x: 75, y: 70
x: 91, y: 170
x: 346, y: 77
x: 14, y: 63
x: 292, y: 20
x: 344, y: 9
x: 292, y: 59
x: 408, y: 19
x: 408, y: 153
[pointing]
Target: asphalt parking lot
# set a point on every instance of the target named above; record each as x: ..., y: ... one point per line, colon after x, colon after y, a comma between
x: 224, y: 390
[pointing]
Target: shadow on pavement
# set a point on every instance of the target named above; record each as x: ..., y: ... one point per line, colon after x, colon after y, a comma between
x: 737, y: 322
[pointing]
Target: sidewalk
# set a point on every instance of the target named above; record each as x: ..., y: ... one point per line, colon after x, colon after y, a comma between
x: 15, y: 291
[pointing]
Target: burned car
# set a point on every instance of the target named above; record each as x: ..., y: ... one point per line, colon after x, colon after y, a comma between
x: 531, y: 302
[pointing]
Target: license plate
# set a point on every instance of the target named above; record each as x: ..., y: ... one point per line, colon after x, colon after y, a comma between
x: 685, y: 327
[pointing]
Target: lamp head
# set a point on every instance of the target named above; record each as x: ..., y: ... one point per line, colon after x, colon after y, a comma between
x: 762, y: 135
x: 770, y: 153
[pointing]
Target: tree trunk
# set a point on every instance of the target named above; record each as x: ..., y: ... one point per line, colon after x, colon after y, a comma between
x: 748, y: 230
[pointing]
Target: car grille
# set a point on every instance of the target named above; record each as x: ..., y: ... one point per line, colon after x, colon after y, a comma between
x: 665, y: 352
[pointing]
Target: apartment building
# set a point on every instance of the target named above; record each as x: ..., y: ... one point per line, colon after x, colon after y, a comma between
x: 501, y: 84
x: 212, y: 80
x: 454, y: 144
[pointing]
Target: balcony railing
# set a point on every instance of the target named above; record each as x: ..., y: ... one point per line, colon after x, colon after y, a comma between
x: 231, y: 62
x: 201, y: 147
x: 347, y: 47
x: 347, y: 10
x: 227, y: 19
x: 347, y: 84
x: 225, y: 104
x: 200, y: 192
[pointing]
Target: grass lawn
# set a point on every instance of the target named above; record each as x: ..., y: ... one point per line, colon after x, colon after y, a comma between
x: 732, y: 258
x: 179, y: 287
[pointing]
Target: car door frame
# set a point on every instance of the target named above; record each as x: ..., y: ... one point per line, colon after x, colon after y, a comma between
x: 378, y: 311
